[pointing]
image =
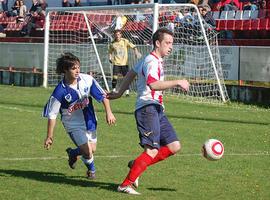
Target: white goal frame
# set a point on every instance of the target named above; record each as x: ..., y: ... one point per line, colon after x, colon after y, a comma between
x: 214, y: 59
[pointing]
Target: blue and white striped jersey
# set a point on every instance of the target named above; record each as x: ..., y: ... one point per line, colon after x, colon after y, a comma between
x: 75, y: 103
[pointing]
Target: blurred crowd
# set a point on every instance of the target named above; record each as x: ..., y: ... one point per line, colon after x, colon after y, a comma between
x: 33, y: 18
x: 29, y: 18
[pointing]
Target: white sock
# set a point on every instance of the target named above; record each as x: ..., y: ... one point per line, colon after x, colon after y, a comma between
x: 87, y: 161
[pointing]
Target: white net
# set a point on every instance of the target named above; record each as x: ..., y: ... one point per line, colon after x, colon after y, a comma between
x: 68, y: 32
x: 195, y: 56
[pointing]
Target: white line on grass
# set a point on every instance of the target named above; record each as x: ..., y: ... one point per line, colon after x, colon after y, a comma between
x: 55, y: 158
x: 125, y: 156
x: 18, y: 109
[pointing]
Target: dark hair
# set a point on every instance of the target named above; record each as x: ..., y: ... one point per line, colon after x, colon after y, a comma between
x: 65, y: 62
x: 159, y: 35
x: 77, y: 3
x: 117, y: 30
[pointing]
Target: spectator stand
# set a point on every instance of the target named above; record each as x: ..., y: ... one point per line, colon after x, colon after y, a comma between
x: 244, y: 24
x: 68, y: 23
x: 14, y: 26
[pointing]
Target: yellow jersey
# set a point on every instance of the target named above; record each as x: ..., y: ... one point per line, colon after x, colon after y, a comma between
x: 119, y: 51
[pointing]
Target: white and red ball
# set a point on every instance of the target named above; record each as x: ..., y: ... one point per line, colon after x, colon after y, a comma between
x: 213, y: 149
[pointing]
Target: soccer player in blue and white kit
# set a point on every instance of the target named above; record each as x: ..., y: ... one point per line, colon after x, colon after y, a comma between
x: 157, y: 136
x: 72, y: 97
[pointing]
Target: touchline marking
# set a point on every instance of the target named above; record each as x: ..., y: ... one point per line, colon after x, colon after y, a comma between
x: 55, y: 158
x: 126, y: 156
x: 18, y: 109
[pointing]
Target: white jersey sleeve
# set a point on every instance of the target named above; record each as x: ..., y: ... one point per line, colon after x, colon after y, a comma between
x: 52, y: 108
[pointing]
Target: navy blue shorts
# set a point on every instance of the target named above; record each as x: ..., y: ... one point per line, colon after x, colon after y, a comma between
x: 154, y: 127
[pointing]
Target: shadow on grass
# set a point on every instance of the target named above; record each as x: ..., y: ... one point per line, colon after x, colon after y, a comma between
x: 60, y: 178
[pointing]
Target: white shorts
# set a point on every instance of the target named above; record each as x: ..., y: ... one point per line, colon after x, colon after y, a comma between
x: 80, y: 137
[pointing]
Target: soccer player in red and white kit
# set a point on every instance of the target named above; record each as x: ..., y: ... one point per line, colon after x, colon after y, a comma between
x: 72, y: 97
x: 157, y: 136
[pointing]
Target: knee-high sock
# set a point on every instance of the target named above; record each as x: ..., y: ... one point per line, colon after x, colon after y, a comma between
x: 89, y: 163
x: 75, y: 152
x: 163, y: 153
x: 139, y: 166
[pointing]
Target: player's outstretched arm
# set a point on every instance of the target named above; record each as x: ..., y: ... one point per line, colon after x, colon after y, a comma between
x: 163, y: 85
x: 124, y: 85
x: 109, y: 115
x: 137, y: 53
x: 49, y: 139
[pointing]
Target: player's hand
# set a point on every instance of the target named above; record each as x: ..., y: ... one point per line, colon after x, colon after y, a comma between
x: 110, y: 118
x: 138, y: 55
x: 184, y: 84
x: 113, y: 95
x: 48, y: 142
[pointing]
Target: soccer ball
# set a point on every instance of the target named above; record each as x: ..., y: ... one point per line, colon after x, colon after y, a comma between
x: 213, y: 149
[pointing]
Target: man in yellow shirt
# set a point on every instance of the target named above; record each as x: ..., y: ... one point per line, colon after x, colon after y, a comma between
x: 118, y: 55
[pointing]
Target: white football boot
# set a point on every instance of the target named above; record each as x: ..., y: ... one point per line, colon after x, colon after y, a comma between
x: 127, y: 189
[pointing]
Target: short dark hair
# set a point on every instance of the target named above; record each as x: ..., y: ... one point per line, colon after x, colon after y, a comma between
x: 117, y: 30
x: 65, y: 62
x: 159, y: 35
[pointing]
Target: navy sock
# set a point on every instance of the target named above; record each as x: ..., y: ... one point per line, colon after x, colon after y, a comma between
x: 89, y: 163
x: 75, y: 152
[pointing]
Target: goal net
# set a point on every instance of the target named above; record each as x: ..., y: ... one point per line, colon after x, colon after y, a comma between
x: 88, y: 31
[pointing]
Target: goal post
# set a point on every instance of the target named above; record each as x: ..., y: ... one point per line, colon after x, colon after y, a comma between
x: 195, y: 54
x: 96, y: 51
x: 88, y: 31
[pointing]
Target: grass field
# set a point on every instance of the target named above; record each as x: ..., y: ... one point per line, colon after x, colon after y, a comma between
x: 27, y: 171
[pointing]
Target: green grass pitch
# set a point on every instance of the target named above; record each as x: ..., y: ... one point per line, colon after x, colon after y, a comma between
x: 28, y: 171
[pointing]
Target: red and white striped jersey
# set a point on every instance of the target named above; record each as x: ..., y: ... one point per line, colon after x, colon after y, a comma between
x: 149, y: 70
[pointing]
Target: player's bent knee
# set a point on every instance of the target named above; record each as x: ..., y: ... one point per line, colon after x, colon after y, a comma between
x: 178, y: 147
x: 93, y: 147
x: 175, y: 147
x: 87, y: 155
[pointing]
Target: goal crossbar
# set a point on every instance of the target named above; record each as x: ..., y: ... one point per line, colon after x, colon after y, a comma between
x: 87, y: 32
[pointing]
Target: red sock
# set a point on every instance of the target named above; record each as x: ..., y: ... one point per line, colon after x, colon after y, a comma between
x: 163, y: 153
x: 138, y: 167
